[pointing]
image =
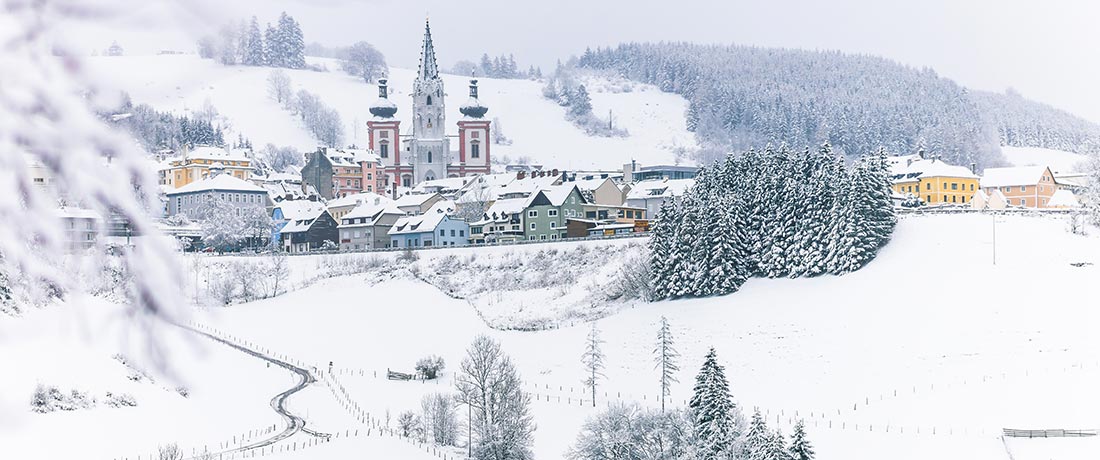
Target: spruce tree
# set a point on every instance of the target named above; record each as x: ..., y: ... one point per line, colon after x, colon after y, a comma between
x: 593, y: 360
x: 754, y: 445
x: 667, y: 358
x: 662, y: 263
x: 295, y: 45
x: 253, y: 45
x: 713, y: 411
x: 272, y: 47
x: 800, y: 449
x: 777, y: 447
x: 727, y: 267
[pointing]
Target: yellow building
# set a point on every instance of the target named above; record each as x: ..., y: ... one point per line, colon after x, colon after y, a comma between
x: 195, y: 164
x: 933, y: 181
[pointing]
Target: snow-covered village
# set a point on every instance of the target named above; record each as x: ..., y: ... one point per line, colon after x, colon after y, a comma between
x: 571, y: 231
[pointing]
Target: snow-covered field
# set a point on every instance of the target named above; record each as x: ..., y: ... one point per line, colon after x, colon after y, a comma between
x: 537, y: 126
x: 929, y: 352
x: 1059, y: 161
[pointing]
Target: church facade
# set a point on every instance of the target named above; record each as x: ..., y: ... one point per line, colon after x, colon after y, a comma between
x: 425, y: 151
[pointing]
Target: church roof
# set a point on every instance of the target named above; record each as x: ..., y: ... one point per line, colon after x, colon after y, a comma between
x: 428, y: 69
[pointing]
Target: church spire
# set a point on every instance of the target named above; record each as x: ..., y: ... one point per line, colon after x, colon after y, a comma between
x: 428, y: 68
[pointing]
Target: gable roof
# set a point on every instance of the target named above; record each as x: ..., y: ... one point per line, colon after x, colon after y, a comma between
x: 659, y: 188
x: 300, y: 209
x: 423, y: 223
x: 557, y: 194
x: 305, y: 221
x: 929, y: 168
x: 355, y: 199
x: 1016, y: 175
x: 414, y: 199
x: 1063, y: 199
x: 370, y: 208
x: 221, y: 182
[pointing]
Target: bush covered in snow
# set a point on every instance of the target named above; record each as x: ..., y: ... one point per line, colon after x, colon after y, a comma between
x: 629, y: 432
x: 429, y: 367
x: 439, y: 419
x: 49, y: 398
x: 409, y: 426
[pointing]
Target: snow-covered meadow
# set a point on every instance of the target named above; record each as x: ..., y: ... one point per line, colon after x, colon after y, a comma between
x: 537, y: 126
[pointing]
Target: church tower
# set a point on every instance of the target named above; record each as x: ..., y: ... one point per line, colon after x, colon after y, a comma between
x: 384, y: 136
x: 429, y: 148
x: 473, y: 137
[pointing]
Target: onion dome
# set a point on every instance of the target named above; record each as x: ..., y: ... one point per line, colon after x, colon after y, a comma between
x: 473, y: 108
x: 383, y: 107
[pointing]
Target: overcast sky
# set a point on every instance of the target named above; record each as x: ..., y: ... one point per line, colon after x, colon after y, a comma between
x: 1048, y: 50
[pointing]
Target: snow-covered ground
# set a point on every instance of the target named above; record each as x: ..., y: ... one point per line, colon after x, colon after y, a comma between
x: 537, y: 126
x: 929, y: 352
x: 1059, y: 161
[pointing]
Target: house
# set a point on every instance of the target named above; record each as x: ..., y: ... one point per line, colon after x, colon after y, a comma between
x: 311, y: 231
x: 611, y: 230
x: 340, y: 206
x: 196, y: 163
x: 502, y: 223
x: 651, y: 194
x: 578, y: 227
x: 449, y: 187
x: 436, y: 227
x: 80, y: 228
x: 600, y: 188
x: 637, y: 173
x: 1027, y: 186
x: 368, y: 225
x: 371, y: 170
x: 287, y: 211
x: 337, y: 173
x: 193, y: 199
x: 546, y: 210
x: 933, y: 181
x: 418, y: 203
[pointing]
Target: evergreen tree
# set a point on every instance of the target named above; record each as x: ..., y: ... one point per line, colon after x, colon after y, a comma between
x: 279, y: 45
x: 667, y: 359
x: 253, y: 45
x: 713, y: 411
x: 800, y: 449
x: 272, y: 44
x: 777, y: 447
x: 486, y: 65
x: 757, y: 439
x: 579, y: 102
x: 727, y: 259
x: 593, y: 360
x: 664, y: 257
x: 295, y: 45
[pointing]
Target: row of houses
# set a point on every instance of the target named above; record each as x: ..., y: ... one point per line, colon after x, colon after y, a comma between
x: 931, y: 181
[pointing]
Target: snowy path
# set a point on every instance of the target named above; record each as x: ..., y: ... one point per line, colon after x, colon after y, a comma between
x: 278, y: 402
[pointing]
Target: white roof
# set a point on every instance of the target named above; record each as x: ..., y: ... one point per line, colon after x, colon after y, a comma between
x: 414, y: 199
x: 508, y: 206
x: 303, y: 221
x: 354, y: 199
x: 221, y: 182
x: 659, y: 188
x: 557, y: 193
x: 76, y: 213
x: 1063, y: 199
x: 931, y: 168
x: 423, y: 223
x: 300, y: 209
x: 527, y: 185
x: 590, y: 183
x: 1016, y: 175
x: 371, y: 208
x: 450, y: 183
x: 207, y: 152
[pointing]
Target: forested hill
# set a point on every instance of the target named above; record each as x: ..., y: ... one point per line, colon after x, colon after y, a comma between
x: 744, y: 97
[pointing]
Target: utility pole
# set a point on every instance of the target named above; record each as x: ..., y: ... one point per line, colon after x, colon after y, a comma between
x: 469, y: 431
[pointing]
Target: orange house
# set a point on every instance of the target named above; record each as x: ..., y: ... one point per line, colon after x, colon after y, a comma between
x: 1027, y: 186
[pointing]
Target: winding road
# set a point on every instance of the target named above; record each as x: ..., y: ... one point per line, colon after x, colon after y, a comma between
x: 278, y: 403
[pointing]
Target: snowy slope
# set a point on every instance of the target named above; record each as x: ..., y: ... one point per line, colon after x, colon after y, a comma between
x: 537, y: 126
x: 1059, y: 161
x: 931, y: 339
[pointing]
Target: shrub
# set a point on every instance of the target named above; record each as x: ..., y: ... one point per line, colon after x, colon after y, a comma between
x: 429, y: 367
x: 408, y: 424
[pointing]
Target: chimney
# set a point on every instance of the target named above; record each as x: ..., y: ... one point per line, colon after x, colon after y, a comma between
x: 520, y: 175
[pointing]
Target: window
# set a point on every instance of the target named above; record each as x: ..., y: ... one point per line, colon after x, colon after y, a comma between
x: 532, y: 226
x: 553, y: 225
x: 542, y: 237
x: 384, y: 134
x: 369, y: 176
x: 384, y: 149
x: 356, y: 234
x: 531, y: 237
x: 954, y: 186
x: 953, y: 198
x: 554, y: 236
x: 945, y: 185
x: 475, y: 150
x: 552, y: 213
x: 971, y: 187
x: 442, y: 232
x: 928, y: 186
x: 533, y: 213
x: 345, y: 234
x: 429, y: 156
x: 475, y: 134
x: 452, y: 233
x: 462, y: 233
x: 429, y: 100
x: 1023, y: 188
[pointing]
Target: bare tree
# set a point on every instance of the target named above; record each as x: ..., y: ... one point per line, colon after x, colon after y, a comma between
x: 364, y: 60
x: 170, y: 452
x: 278, y: 269
x: 593, y: 360
x: 440, y: 419
x: 501, y: 421
x: 278, y: 88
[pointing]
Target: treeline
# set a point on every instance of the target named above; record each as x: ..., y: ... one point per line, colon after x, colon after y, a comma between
x: 743, y: 97
x: 1024, y: 123
x: 163, y: 130
x: 281, y: 45
x: 503, y: 66
x: 564, y: 89
x: 772, y: 213
x: 320, y: 119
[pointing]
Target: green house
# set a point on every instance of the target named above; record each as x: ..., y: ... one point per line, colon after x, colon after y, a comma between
x: 546, y: 211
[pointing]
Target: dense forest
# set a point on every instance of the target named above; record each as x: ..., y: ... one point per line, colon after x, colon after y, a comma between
x: 743, y: 97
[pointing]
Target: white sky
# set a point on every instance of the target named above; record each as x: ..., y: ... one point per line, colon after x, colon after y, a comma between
x: 1048, y: 50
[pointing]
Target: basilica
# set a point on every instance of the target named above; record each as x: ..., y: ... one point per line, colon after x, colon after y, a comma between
x: 424, y: 151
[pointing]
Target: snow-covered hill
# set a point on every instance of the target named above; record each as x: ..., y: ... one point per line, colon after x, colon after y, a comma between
x: 537, y: 126
x: 1059, y: 161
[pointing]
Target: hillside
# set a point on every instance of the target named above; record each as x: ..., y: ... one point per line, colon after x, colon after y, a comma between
x: 904, y: 342
x: 749, y: 97
x: 537, y: 127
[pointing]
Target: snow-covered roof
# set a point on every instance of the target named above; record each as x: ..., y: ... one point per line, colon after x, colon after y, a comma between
x: 206, y: 152
x: 353, y: 199
x: 659, y: 188
x: 592, y: 182
x: 66, y: 212
x: 300, y: 209
x: 220, y: 182
x: 525, y: 186
x: 423, y: 223
x: 501, y: 208
x: 414, y: 199
x: 370, y: 208
x: 558, y: 193
x: 304, y: 220
x: 1016, y: 175
x: 1063, y: 199
x: 449, y: 183
x: 362, y: 156
x: 931, y: 168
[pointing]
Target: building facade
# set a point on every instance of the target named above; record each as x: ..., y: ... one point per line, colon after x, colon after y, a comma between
x: 193, y: 199
x: 196, y: 163
x: 933, y: 181
x: 1027, y: 186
